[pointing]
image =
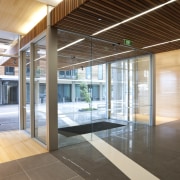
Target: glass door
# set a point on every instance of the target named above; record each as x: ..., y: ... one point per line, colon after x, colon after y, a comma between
x: 40, y: 90
x: 81, y: 87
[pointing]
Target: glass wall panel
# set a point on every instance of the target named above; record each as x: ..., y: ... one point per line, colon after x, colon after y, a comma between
x: 40, y: 90
x: 27, y: 118
x: 95, y: 85
x: 119, y: 90
x: 74, y: 86
x: 9, y: 99
x: 130, y: 91
x: 81, y: 87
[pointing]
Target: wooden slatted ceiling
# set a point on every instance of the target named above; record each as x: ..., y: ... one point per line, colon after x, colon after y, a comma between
x: 89, y: 16
x: 13, y: 62
x: 57, y: 14
x: 156, y: 27
x: 68, y: 64
x: 82, y: 53
x: 64, y: 9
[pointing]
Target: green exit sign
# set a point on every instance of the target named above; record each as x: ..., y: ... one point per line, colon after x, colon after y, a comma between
x: 127, y: 42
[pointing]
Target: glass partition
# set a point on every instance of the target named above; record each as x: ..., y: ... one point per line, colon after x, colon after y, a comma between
x: 96, y: 86
x: 131, y: 89
x: 27, y: 118
x: 40, y: 90
x: 74, y: 86
x: 98, y: 90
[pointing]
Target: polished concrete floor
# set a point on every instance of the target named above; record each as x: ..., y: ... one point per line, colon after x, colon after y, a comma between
x: 136, y: 152
x: 155, y: 149
x: 38, y: 167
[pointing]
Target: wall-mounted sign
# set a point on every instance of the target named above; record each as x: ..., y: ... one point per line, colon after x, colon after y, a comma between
x: 127, y: 42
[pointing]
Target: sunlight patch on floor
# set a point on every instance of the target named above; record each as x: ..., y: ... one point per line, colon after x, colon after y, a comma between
x: 17, y: 144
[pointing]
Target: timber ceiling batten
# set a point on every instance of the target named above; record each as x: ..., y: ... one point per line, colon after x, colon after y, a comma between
x: 57, y: 14
x: 155, y: 27
x: 88, y: 17
x: 64, y: 9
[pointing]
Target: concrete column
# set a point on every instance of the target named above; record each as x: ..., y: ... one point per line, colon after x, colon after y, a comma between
x: 21, y: 90
x: 108, y: 85
x: 32, y: 99
x: 51, y: 85
x: 152, y: 74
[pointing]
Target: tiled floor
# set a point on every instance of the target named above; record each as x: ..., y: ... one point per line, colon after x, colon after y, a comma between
x: 155, y: 149
x: 136, y: 152
x: 38, y: 167
x: 22, y: 158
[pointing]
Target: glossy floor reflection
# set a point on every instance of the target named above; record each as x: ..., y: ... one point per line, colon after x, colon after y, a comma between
x: 135, y: 151
x: 156, y: 149
x: 23, y: 158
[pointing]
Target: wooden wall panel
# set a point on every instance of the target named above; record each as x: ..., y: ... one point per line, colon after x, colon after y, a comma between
x: 63, y: 9
x: 13, y: 62
x: 39, y: 28
x: 168, y: 84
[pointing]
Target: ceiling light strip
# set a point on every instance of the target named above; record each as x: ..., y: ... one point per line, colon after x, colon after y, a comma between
x: 68, y: 45
x: 117, y: 24
x: 134, y: 17
x: 124, y: 52
x: 175, y: 40
x: 42, y: 57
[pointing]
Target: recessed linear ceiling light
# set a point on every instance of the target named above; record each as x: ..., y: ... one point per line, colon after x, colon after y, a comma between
x: 40, y: 58
x: 117, y: 24
x: 161, y: 43
x: 134, y: 17
x: 68, y: 45
x: 124, y: 52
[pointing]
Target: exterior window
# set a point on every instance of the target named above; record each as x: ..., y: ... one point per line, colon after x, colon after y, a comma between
x: 74, y: 74
x: 71, y: 74
x: 68, y: 74
x: 61, y: 74
x: 100, y: 72
x: 88, y: 72
x: 9, y: 70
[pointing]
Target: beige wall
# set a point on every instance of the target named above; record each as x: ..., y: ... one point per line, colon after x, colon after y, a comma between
x: 1, y: 70
x: 16, y: 71
x: 168, y: 84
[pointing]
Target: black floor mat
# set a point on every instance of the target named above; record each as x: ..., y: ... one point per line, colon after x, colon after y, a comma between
x: 87, y: 128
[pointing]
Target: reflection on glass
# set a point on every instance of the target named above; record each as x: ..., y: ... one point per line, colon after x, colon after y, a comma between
x: 130, y: 92
x: 40, y: 90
